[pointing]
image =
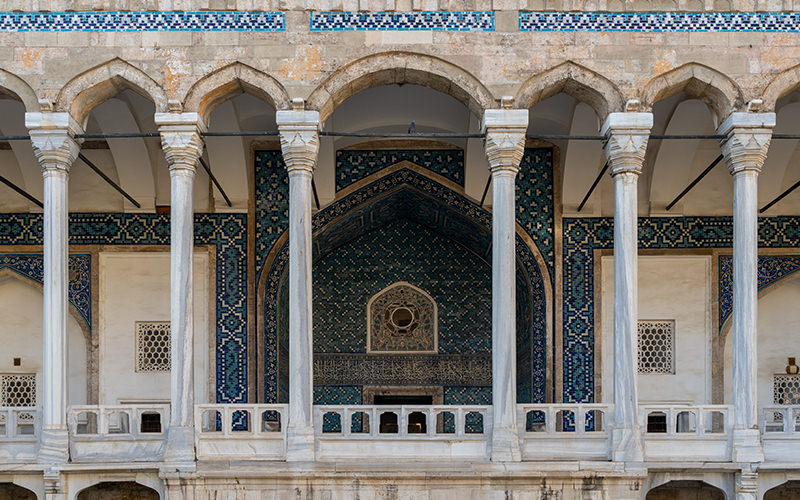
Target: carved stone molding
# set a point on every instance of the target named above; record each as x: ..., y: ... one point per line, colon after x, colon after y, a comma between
x: 53, y: 140
x: 505, y: 131
x: 181, y: 139
x: 626, y: 141
x: 747, y: 138
x: 299, y: 132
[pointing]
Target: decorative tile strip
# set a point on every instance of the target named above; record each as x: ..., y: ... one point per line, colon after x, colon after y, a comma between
x: 403, y: 21
x: 660, y: 22
x: 142, y: 21
x: 403, y: 369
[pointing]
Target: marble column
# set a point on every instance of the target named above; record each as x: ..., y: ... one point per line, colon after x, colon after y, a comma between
x: 747, y: 137
x: 626, y: 143
x: 299, y: 133
x: 182, y: 146
x: 54, y: 144
x: 505, y: 144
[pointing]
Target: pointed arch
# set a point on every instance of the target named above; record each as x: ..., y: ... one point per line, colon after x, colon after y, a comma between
x: 95, y: 86
x: 576, y: 81
x: 715, y: 89
x: 784, y: 83
x: 17, y: 88
x: 229, y: 81
x: 387, y: 68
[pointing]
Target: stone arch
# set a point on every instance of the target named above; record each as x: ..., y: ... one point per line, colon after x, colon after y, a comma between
x: 17, y: 88
x: 229, y: 81
x: 95, y: 86
x: 387, y: 68
x: 118, y: 490
x: 11, y: 491
x: 784, y: 83
x: 784, y: 491
x: 715, y: 89
x: 574, y: 80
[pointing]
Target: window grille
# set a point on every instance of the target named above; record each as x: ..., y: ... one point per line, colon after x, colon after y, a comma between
x: 657, y: 346
x: 153, y: 351
x: 786, y: 390
x: 18, y: 390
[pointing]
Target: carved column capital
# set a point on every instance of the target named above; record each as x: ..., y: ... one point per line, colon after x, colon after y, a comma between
x: 505, y: 131
x: 747, y: 137
x: 181, y: 140
x: 626, y: 141
x: 53, y: 140
x: 299, y: 131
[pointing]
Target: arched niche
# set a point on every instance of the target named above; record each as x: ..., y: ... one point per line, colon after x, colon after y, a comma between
x: 790, y: 490
x: 118, y: 490
x: 685, y: 490
x: 11, y: 491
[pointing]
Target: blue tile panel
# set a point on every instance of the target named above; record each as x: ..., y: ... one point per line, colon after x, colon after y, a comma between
x: 403, y: 21
x: 412, y: 196
x: 581, y: 236
x: 227, y: 232
x: 142, y: 21
x: 79, y: 290
x: 661, y: 22
x: 771, y: 269
x: 353, y: 166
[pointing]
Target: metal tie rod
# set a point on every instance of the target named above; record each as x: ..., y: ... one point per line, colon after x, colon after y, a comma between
x: 214, y: 180
x: 695, y: 181
x: 594, y: 185
x: 108, y: 180
x: 21, y: 191
x: 780, y: 197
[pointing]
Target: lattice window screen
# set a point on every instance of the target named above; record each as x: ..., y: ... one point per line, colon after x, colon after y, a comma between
x: 786, y: 390
x: 18, y: 390
x: 657, y: 346
x: 153, y: 350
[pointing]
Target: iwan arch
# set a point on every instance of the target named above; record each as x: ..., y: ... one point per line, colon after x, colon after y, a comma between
x: 398, y: 264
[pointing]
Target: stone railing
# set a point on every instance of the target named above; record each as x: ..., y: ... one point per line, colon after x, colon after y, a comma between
x: 564, y: 431
x: 118, y: 433
x: 780, y: 432
x: 686, y: 432
x: 422, y: 432
x: 19, y: 431
x: 240, y: 431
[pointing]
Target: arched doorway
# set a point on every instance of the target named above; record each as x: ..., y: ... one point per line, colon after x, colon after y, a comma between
x: 121, y: 490
x: 685, y: 490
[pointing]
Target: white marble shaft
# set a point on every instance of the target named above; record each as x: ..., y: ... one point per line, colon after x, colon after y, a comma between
x: 626, y: 143
x: 182, y: 146
x: 747, y: 138
x: 505, y: 144
x: 55, y: 147
x: 299, y: 133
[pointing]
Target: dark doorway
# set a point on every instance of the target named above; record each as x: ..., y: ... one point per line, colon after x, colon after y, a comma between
x: 416, y: 420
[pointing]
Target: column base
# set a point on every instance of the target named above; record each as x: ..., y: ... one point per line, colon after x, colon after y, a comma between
x: 54, y: 446
x: 180, y: 446
x: 505, y: 445
x: 626, y: 445
x: 747, y: 446
x: 300, y: 446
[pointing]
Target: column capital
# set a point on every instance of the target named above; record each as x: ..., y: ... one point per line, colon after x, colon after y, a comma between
x: 747, y: 137
x: 626, y: 141
x: 505, y: 131
x: 53, y: 139
x: 181, y: 139
x: 299, y: 132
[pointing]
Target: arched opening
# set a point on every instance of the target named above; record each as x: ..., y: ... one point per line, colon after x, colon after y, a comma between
x: 17, y: 161
x: 789, y: 490
x: 11, y: 491
x: 685, y: 490
x: 118, y: 490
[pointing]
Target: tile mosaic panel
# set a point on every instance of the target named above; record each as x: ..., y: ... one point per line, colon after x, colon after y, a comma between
x: 353, y: 166
x: 534, y: 192
x: 581, y: 236
x: 79, y: 289
x: 142, y: 21
x: 771, y: 268
x: 403, y: 21
x: 227, y: 232
x: 785, y: 22
x: 403, y: 369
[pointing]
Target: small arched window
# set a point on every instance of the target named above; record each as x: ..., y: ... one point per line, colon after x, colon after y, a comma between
x: 401, y: 318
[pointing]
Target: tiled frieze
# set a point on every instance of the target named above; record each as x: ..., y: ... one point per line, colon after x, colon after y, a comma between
x: 353, y: 166
x: 785, y: 22
x: 142, y: 21
x: 403, y: 369
x: 227, y: 232
x: 581, y: 236
x: 80, y: 278
x: 403, y: 21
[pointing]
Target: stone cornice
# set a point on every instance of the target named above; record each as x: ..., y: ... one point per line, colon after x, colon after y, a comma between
x: 747, y: 138
x: 626, y: 141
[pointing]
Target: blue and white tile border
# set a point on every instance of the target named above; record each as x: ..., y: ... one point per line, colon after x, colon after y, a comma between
x: 782, y: 22
x: 142, y: 21
x: 403, y: 21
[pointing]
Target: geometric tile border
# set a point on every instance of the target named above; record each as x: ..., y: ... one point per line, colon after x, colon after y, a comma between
x: 227, y: 232
x: 403, y: 21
